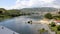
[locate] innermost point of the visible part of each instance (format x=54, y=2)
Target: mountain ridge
x=42, y=9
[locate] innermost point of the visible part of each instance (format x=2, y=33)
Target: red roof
x=57, y=21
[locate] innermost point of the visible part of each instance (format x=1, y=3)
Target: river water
x=20, y=25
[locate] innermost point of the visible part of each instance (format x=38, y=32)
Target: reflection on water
x=20, y=25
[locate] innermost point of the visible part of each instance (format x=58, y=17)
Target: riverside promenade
x=44, y=24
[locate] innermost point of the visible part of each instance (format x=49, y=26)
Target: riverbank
x=44, y=21
x=7, y=14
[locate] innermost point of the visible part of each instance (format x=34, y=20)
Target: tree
x=1, y=12
x=59, y=12
x=48, y=16
x=58, y=28
x=53, y=24
x=42, y=31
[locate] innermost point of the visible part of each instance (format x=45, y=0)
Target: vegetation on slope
x=51, y=16
x=5, y=14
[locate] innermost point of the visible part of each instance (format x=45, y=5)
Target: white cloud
x=47, y=1
x=34, y=3
x=56, y=6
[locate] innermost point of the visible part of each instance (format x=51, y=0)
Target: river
x=20, y=25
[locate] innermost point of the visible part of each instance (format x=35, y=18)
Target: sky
x=19, y=4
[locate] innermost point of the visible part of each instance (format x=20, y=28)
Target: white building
x=4, y=30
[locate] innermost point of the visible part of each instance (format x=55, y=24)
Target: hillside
x=42, y=9
x=5, y=14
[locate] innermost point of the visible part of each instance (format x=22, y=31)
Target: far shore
x=43, y=21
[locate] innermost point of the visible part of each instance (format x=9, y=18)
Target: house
x=4, y=30
x=57, y=22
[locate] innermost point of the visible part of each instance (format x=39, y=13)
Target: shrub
x=48, y=16
x=53, y=24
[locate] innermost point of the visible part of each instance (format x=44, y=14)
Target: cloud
x=35, y=3
x=31, y=3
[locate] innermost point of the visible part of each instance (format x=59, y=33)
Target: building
x=4, y=30
x=57, y=22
